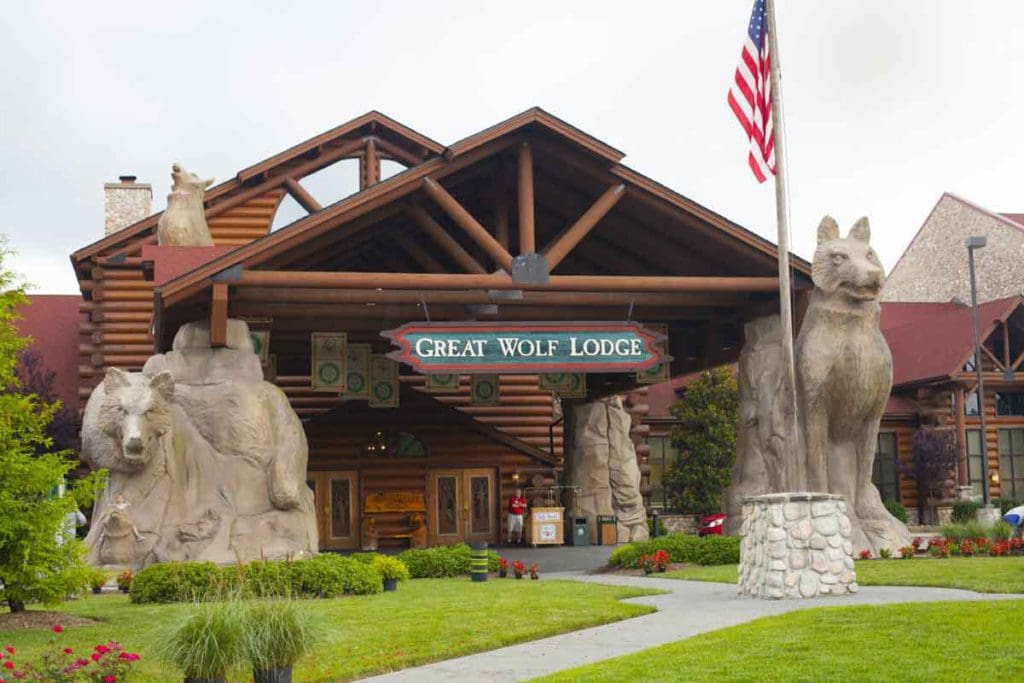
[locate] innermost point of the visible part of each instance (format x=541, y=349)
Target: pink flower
x=68, y=651
x=102, y=649
x=57, y=628
x=109, y=679
x=8, y=664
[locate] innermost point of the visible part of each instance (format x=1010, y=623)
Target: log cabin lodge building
x=530, y=220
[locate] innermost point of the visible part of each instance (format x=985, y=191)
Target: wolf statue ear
x=115, y=378
x=828, y=230
x=163, y=384
x=861, y=230
x=208, y=182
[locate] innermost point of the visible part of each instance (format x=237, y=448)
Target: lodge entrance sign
x=472, y=347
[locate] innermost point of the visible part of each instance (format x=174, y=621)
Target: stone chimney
x=125, y=202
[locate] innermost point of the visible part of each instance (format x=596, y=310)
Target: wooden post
x=448, y=243
x=369, y=165
x=501, y=203
x=527, y=234
x=1006, y=344
x=466, y=221
x=219, y=315
x=565, y=242
x=962, y=473
x=301, y=195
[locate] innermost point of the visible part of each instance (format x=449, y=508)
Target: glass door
x=336, y=496
x=481, y=520
x=446, y=507
x=462, y=506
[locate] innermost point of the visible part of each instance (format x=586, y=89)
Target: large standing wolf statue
x=843, y=374
x=207, y=461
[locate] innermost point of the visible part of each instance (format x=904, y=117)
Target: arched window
x=387, y=444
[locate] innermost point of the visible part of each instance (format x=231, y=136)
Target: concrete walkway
x=690, y=608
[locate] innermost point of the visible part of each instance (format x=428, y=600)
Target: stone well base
x=796, y=545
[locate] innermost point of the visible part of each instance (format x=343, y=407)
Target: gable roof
x=456, y=157
x=415, y=405
x=932, y=341
x=372, y=122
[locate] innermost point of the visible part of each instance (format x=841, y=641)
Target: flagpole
x=795, y=470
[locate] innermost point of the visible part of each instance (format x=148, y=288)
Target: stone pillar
x=796, y=545
x=125, y=202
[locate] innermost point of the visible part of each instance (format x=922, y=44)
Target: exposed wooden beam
x=219, y=315
x=576, y=283
x=1006, y=345
x=369, y=165
x=527, y=228
x=466, y=221
x=501, y=189
x=998, y=363
x=571, y=236
x=301, y=195
x=424, y=258
x=448, y=243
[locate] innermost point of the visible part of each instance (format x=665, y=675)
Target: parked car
x=712, y=525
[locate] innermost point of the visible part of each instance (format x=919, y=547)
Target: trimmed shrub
x=329, y=576
x=390, y=568
x=897, y=510
x=177, y=582
x=443, y=561
x=680, y=548
x=964, y=511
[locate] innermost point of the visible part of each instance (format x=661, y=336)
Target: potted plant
x=124, y=580
x=535, y=572
x=647, y=563
x=661, y=561
x=276, y=634
x=391, y=569
x=518, y=568
x=208, y=644
x=502, y=567
x=98, y=579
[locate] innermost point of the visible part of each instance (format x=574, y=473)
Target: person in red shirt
x=516, y=511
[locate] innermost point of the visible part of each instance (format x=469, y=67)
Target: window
x=971, y=404
x=975, y=462
x=1011, y=463
x=885, y=474
x=1010, y=403
x=660, y=459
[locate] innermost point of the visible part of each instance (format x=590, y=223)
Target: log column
x=527, y=233
x=962, y=473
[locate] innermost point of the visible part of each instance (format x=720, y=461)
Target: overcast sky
x=888, y=104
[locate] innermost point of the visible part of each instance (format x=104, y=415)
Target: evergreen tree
x=39, y=562
x=705, y=436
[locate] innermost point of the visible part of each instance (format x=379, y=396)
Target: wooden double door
x=336, y=500
x=463, y=506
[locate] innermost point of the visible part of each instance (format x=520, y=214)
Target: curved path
x=689, y=608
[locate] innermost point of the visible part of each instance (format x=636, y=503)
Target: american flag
x=750, y=96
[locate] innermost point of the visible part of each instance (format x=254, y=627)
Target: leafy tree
x=933, y=458
x=37, y=561
x=705, y=436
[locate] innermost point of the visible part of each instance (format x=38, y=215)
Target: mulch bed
x=672, y=566
x=18, y=621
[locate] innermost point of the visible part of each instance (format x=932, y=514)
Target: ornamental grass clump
x=208, y=643
x=275, y=635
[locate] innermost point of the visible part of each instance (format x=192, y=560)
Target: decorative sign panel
x=440, y=384
x=383, y=382
x=577, y=386
x=511, y=347
x=261, y=345
x=357, y=371
x=327, y=370
x=484, y=390
x=660, y=372
x=554, y=381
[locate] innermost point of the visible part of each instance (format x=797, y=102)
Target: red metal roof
x=52, y=322
x=933, y=340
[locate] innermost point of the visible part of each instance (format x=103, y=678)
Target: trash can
x=478, y=562
x=578, y=531
x=607, y=530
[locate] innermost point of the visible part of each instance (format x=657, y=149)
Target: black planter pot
x=204, y=680
x=97, y=591
x=283, y=675
x=390, y=584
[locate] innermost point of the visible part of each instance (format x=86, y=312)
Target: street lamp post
x=972, y=244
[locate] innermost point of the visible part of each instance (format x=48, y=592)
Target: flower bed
x=680, y=548
x=107, y=663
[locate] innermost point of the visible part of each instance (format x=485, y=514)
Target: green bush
x=709, y=550
x=897, y=510
x=329, y=576
x=444, y=561
x=964, y=511
x=1005, y=504
x=390, y=568
x=177, y=582
x=365, y=558
x=259, y=579
x=959, y=532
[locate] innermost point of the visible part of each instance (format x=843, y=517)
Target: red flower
x=57, y=628
x=96, y=656
x=109, y=679
x=102, y=649
x=81, y=662
x=68, y=651
x=8, y=664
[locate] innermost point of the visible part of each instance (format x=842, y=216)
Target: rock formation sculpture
x=183, y=222
x=604, y=467
x=844, y=375
x=211, y=458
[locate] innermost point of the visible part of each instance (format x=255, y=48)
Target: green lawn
x=918, y=642
x=425, y=620
x=982, y=574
